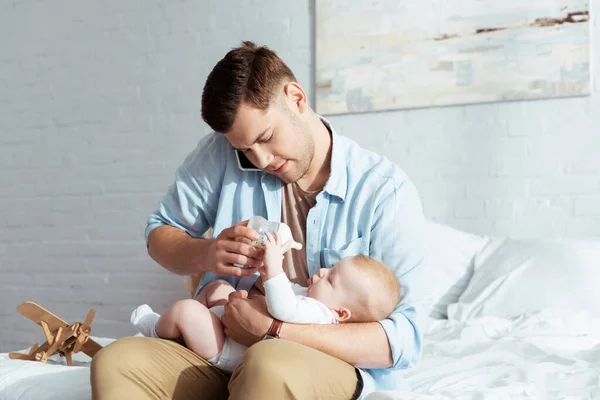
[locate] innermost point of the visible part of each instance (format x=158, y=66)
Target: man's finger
x=233, y=258
x=245, y=249
x=224, y=321
x=238, y=294
x=240, y=231
x=236, y=271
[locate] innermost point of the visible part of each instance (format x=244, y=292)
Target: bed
x=508, y=319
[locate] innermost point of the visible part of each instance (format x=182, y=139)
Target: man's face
x=276, y=140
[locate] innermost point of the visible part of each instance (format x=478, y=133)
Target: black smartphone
x=244, y=163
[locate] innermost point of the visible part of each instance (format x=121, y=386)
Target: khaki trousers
x=141, y=368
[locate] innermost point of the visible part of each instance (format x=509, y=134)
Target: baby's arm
x=286, y=305
x=287, y=301
x=273, y=255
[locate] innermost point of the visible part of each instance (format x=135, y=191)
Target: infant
x=356, y=289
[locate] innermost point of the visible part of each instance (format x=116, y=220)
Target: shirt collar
x=337, y=183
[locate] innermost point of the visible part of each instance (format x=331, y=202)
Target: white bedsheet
x=548, y=354
x=29, y=380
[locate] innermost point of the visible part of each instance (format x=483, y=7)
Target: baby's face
x=335, y=286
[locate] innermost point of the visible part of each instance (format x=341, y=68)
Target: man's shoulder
x=364, y=163
x=212, y=142
x=213, y=149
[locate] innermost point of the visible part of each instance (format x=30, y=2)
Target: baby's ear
x=342, y=314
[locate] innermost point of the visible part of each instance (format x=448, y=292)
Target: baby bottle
x=261, y=225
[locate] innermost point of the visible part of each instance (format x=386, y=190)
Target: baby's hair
x=386, y=293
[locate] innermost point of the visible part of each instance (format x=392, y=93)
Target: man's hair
x=382, y=289
x=247, y=74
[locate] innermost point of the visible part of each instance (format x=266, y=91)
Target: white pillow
x=450, y=255
x=513, y=277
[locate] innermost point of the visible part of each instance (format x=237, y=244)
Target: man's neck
x=320, y=168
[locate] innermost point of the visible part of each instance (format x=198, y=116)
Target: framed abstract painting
x=389, y=54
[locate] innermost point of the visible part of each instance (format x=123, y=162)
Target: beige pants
x=147, y=368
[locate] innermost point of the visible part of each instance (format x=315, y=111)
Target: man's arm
x=178, y=252
x=397, y=239
x=174, y=231
x=247, y=320
x=345, y=341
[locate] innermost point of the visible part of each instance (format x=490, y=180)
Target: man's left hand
x=246, y=319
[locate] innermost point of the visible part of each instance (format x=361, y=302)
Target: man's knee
x=115, y=358
x=262, y=362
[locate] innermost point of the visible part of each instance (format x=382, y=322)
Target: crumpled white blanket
x=549, y=354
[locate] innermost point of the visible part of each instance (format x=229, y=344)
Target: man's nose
x=263, y=159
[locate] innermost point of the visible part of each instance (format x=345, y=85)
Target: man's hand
x=246, y=319
x=229, y=248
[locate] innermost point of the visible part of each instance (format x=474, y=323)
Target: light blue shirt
x=367, y=206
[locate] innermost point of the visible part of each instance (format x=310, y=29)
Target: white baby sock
x=144, y=319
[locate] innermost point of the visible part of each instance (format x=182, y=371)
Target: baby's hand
x=273, y=255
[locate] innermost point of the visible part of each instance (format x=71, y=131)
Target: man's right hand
x=228, y=249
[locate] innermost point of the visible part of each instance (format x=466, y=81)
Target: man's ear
x=295, y=93
x=342, y=314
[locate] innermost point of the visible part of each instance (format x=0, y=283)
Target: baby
x=356, y=289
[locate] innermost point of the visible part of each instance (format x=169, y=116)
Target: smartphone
x=244, y=163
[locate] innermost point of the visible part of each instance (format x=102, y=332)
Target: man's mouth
x=280, y=168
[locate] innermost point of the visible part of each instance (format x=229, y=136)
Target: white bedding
x=548, y=354
x=25, y=380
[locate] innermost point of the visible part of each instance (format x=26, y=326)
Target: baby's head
x=358, y=289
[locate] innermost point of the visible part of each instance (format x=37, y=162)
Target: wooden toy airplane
x=62, y=338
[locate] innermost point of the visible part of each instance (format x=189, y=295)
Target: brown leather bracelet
x=274, y=330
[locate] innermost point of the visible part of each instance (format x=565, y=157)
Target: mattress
x=547, y=354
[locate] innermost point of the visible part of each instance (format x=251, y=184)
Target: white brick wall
x=100, y=103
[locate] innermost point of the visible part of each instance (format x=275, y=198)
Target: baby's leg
x=215, y=293
x=200, y=328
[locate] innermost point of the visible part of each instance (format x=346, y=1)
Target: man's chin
x=288, y=177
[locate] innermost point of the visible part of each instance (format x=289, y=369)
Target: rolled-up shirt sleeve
x=190, y=202
x=398, y=240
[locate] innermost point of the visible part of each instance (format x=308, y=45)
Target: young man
x=338, y=199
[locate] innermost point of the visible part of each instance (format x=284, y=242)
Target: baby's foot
x=144, y=319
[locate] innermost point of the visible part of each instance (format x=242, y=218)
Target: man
x=338, y=199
